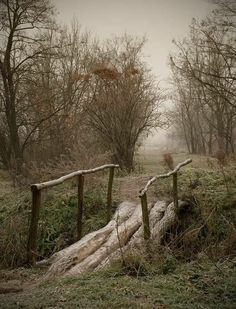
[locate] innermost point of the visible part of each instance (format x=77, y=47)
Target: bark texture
x=125, y=231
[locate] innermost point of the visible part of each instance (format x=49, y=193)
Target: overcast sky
x=160, y=20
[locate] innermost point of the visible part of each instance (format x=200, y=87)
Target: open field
x=151, y=159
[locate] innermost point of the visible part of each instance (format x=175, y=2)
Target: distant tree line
x=204, y=81
x=62, y=91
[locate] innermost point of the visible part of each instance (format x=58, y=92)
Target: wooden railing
x=143, y=195
x=36, y=203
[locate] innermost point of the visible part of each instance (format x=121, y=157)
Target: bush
x=209, y=224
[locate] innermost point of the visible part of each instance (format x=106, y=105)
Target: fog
x=160, y=21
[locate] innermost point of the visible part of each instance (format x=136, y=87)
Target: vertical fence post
x=145, y=215
x=175, y=190
x=109, y=193
x=80, y=205
x=33, y=230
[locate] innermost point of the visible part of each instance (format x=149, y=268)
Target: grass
x=194, y=285
x=57, y=223
x=197, y=272
x=151, y=160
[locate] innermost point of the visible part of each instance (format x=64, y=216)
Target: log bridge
x=108, y=233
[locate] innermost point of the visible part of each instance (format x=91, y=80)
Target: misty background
x=160, y=21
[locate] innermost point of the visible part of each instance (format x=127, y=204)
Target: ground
x=199, y=284
x=207, y=280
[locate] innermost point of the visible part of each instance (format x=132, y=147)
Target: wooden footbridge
x=36, y=190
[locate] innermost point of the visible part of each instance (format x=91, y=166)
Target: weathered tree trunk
x=98, y=249
x=9, y=92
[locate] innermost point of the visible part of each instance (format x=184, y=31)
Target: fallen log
x=100, y=248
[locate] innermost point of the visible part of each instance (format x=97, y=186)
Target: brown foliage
x=107, y=73
x=221, y=157
x=168, y=160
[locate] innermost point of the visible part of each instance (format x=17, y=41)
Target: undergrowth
x=209, y=225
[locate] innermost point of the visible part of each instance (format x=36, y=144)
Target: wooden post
x=80, y=205
x=175, y=190
x=109, y=193
x=145, y=215
x=32, y=240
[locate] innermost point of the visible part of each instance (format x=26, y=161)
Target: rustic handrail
x=52, y=183
x=153, y=179
x=36, y=203
x=143, y=195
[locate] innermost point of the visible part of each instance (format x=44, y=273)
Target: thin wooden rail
x=36, y=203
x=153, y=179
x=60, y=180
x=143, y=195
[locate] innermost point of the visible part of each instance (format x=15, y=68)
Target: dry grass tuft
x=168, y=160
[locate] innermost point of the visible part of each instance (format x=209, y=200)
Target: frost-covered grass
x=199, y=284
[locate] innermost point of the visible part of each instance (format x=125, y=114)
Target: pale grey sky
x=160, y=20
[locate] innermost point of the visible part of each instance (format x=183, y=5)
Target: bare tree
x=54, y=81
x=124, y=101
x=58, y=85
x=18, y=21
x=206, y=64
